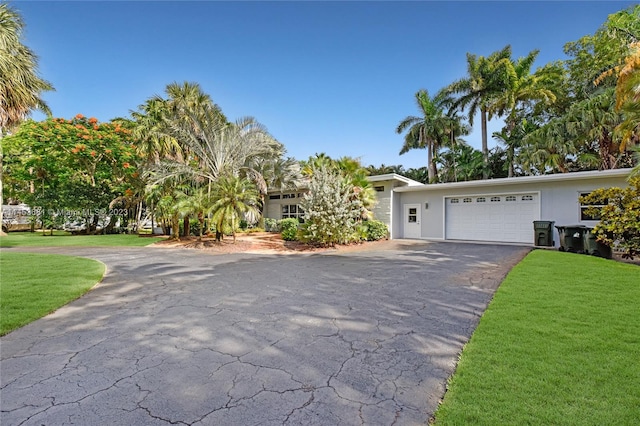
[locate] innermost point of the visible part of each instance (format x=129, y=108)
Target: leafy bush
x=619, y=217
x=271, y=225
x=252, y=230
x=375, y=230
x=243, y=225
x=332, y=212
x=289, y=229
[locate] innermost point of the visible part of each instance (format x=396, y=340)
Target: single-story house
x=493, y=210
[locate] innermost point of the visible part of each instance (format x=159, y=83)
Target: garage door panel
x=504, y=218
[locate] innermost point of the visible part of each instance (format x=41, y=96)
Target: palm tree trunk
x=186, y=226
x=430, y=163
x=510, y=159
x=485, y=146
x=175, y=227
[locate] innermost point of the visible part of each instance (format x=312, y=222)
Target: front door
x=412, y=221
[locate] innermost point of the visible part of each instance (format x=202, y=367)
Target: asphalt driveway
x=182, y=337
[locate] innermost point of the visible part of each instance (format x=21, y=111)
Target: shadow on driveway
x=181, y=337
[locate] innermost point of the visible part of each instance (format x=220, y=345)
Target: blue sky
x=333, y=77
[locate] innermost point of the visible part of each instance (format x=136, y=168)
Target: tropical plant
x=432, y=129
x=20, y=85
x=332, y=214
x=460, y=163
x=289, y=228
x=271, y=225
x=375, y=230
x=420, y=174
x=384, y=169
x=235, y=198
x=486, y=79
x=522, y=90
x=619, y=216
x=198, y=202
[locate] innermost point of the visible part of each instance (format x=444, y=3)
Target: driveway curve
x=174, y=336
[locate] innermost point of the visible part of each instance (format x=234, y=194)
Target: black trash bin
x=543, y=233
x=594, y=247
x=571, y=238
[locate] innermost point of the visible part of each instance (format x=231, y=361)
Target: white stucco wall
x=558, y=201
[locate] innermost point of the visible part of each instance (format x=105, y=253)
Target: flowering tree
x=76, y=167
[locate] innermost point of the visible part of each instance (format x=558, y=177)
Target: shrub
x=375, y=230
x=332, y=212
x=271, y=225
x=289, y=229
x=243, y=225
x=619, y=217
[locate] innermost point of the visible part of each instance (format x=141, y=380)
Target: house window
x=495, y=199
x=527, y=198
x=466, y=200
x=454, y=201
x=293, y=211
x=413, y=215
x=585, y=206
x=274, y=197
x=481, y=200
x=288, y=195
x=510, y=198
x=379, y=188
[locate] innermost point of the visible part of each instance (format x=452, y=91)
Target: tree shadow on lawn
x=326, y=338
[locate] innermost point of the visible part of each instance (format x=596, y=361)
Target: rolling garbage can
x=543, y=233
x=571, y=238
x=593, y=247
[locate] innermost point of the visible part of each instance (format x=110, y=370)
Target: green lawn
x=559, y=344
x=64, y=239
x=34, y=285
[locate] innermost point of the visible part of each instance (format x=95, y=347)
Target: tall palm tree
x=234, y=197
x=20, y=85
x=430, y=130
x=486, y=78
x=522, y=88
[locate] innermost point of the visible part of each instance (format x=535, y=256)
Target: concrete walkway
x=182, y=337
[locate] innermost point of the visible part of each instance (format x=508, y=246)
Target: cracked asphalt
x=188, y=338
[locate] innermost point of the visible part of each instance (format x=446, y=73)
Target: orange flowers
x=93, y=153
x=79, y=116
x=93, y=120
x=107, y=151
x=96, y=127
x=126, y=165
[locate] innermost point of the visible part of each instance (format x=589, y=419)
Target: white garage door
x=504, y=218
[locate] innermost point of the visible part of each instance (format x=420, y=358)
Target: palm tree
x=521, y=88
x=430, y=130
x=234, y=197
x=20, y=85
x=197, y=202
x=384, y=169
x=476, y=92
